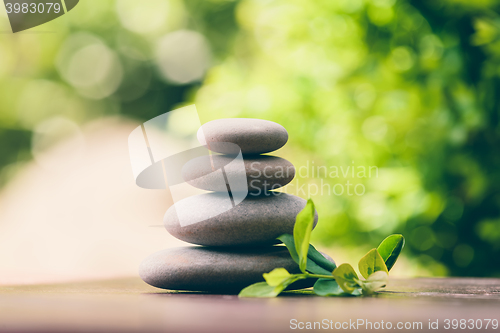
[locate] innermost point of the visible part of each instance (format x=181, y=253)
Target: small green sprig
x=331, y=280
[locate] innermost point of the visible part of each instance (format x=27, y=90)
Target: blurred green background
x=411, y=87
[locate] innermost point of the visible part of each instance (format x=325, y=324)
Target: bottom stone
x=215, y=269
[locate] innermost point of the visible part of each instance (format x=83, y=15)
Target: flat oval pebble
x=253, y=136
x=257, y=220
x=215, y=269
x=263, y=173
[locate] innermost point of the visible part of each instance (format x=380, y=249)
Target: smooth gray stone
x=215, y=269
x=257, y=220
x=263, y=173
x=253, y=136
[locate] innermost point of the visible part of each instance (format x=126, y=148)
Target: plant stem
x=319, y=276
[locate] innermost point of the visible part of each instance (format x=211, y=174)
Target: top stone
x=252, y=136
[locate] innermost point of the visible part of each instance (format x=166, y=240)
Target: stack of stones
x=239, y=245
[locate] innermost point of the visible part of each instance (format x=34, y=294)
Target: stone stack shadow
x=237, y=245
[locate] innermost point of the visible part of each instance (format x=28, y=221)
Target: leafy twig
x=331, y=280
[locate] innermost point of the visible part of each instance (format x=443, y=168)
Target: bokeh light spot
x=463, y=255
x=374, y=128
x=422, y=238
x=90, y=66
x=402, y=58
x=142, y=16
x=183, y=56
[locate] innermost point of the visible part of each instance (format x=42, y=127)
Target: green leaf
x=291, y=279
x=346, y=278
x=317, y=263
x=372, y=262
x=327, y=287
x=374, y=282
x=263, y=289
x=390, y=248
x=380, y=278
x=302, y=233
x=260, y=289
x=276, y=276
x=320, y=260
x=287, y=239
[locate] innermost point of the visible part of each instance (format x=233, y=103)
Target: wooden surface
x=130, y=305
